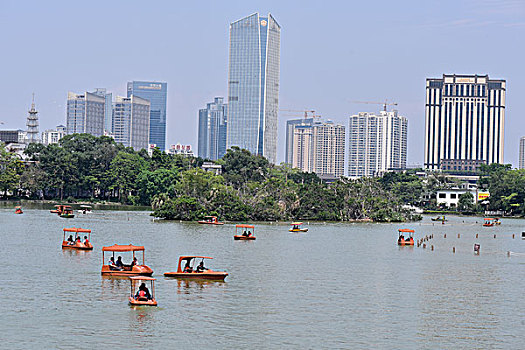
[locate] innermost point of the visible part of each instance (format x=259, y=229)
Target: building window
x=442, y=195
x=452, y=196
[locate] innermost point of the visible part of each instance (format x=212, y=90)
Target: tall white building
x=131, y=118
x=53, y=136
x=465, y=118
x=318, y=147
x=85, y=114
x=522, y=153
x=377, y=143
x=253, y=85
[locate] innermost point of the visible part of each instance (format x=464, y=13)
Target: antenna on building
x=385, y=103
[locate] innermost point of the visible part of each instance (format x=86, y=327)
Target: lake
x=340, y=285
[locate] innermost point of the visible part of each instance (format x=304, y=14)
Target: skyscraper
x=376, y=143
x=85, y=114
x=156, y=94
x=32, y=124
x=131, y=118
x=465, y=118
x=212, y=129
x=253, y=85
x=318, y=147
x=290, y=128
x=522, y=153
x=108, y=108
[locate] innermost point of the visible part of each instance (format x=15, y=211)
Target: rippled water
x=337, y=286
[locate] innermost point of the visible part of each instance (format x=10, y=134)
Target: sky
x=333, y=53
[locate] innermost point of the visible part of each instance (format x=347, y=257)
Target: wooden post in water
x=453, y=249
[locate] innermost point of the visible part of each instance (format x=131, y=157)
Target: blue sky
x=332, y=53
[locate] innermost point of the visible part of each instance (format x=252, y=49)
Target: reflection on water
x=339, y=286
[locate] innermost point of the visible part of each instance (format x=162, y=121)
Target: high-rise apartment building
x=465, y=118
x=253, y=85
x=85, y=114
x=53, y=136
x=377, y=143
x=131, y=118
x=522, y=153
x=156, y=93
x=318, y=147
x=290, y=128
x=212, y=129
x=108, y=108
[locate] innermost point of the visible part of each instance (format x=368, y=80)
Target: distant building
x=131, y=117
x=253, y=85
x=12, y=136
x=184, y=150
x=212, y=167
x=377, y=143
x=522, y=153
x=157, y=94
x=290, y=128
x=465, y=118
x=32, y=124
x=85, y=114
x=319, y=147
x=53, y=136
x=108, y=108
x=212, y=130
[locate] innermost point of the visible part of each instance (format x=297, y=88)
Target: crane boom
x=384, y=103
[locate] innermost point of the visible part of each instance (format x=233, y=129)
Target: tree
x=466, y=202
x=10, y=167
x=124, y=171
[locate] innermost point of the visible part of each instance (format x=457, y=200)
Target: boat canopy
x=489, y=219
x=209, y=216
x=406, y=230
x=296, y=223
x=86, y=206
x=141, y=278
x=75, y=229
x=194, y=257
x=122, y=248
x=244, y=226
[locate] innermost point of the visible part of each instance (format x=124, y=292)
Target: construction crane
x=385, y=103
x=312, y=112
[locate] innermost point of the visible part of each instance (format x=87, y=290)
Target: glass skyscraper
x=253, y=85
x=212, y=129
x=108, y=109
x=156, y=93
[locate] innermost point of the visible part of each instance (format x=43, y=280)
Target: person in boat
x=134, y=262
x=78, y=240
x=143, y=292
x=70, y=240
x=245, y=233
x=201, y=267
x=187, y=267
x=249, y=233
x=86, y=241
x=112, y=265
x=119, y=263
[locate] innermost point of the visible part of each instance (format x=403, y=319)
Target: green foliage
x=10, y=169
x=466, y=202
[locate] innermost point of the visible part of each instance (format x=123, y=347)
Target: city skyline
x=317, y=72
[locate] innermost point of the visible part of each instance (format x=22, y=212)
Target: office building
x=131, y=118
x=318, y=147
x=85, y=114
x=253, y=85
x=53, y=136
x=522, y=153
x=377, y=143
x=156, y=93
x=212, y=129
x=465, y=118
x=108, y=108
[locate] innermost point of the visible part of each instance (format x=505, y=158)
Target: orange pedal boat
x=125, y=270
x=142, y=297
x=211, y=220
x=190, y=272
x=18, y=210
x=77, y=243
x=246, y=235
x=402, y=240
